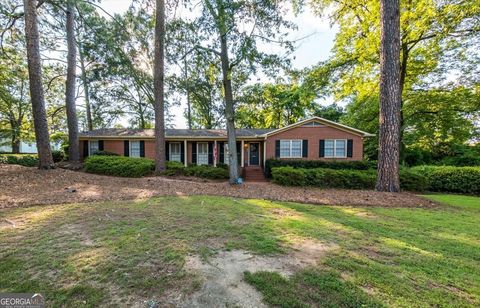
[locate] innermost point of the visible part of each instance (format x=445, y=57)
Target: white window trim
x=198, y=152
x=290, y=150
x=170, y=150
x=335, y=148
x=130, y=148
x=90, y=154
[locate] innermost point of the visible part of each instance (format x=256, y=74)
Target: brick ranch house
x=312, y=139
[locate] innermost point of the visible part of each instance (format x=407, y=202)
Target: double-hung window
x=202, y=153
x=175, y=151
x=290, y=148
x=134, y=148
x=336, y=148
x=93, y=147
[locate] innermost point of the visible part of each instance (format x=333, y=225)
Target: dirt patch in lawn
x=23, y=186
x=222, y=275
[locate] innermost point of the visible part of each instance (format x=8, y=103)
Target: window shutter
x=277, y=148
x=322, y=148
x=126, y=148
x=210, y=153
x=100, y=145
x=142, y=148
x=182, y=152
x=305, y=148
x=350, y=148
x=85, y=148
x=167, y=150
x=221, y=146
x=194, y=152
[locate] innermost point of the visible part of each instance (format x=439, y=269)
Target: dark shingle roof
x=128, y=132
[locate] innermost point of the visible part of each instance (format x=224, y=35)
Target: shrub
x=105, y=153
x=451, y=179
x=28, y=160
x=205, y=171
x=311, y=164
x=119, y=165
x=174, y=168
x=288, y=176
x=412, y=181
x=348, y=179
x=58, y=155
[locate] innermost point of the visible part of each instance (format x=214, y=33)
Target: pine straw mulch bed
x=24, y=186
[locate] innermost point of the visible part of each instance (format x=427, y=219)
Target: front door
x=254, y=153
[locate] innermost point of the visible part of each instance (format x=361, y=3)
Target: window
x=202, y=153
x=93, y=147
x=290, y=148
x=134, y=148
x=336, y=148
x=175, y=151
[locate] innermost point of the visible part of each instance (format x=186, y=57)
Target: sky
x=315, y=34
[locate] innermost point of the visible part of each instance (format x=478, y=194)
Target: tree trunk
x=73, y=143
x=159, y=78
x=86, y=90
x=390, y=98
x=229, y=110
x=45, y=160
x=15, y=143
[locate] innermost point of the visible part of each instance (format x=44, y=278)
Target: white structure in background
x=26, y=147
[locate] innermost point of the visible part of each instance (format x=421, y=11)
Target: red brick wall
x=314, y=135
x=114, y=146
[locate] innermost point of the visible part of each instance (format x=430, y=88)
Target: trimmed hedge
x=451, y=179
x=104, y=153
x=349, y=179
x=201, y=171
x=119, y=165
x=28, y=160
x=312, y=164
x=58, y=156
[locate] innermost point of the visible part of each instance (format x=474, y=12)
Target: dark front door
x=254, y=153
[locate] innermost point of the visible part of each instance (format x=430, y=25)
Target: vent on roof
x=313, y=123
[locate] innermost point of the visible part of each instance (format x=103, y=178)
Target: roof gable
x=318, y=121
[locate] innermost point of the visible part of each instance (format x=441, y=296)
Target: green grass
x=121, y=253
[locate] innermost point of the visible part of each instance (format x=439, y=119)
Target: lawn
x=123, y=253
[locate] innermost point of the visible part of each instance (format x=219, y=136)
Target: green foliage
x=451, y=179
x=27, y=160
x=308, y=164
x=174, y=168
x=331, y=112
x=119, y=166
x=342, y=178
x=104, y=153
x=58, y=155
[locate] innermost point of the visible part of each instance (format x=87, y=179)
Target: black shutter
x=322, y=148
x=126, y=148
x=305, y=148
x=277, y=148
x=100, y=145
x=182, y=152
x=221, y=146
x=350, y=148
x=239, y=153
x=194, y=152
x=85, y=148
x=210, y=153
x=167, y=150
x=142, y=148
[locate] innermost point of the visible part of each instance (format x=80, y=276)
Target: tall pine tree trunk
x=390, y=98
x=45, y=160
x=73, y=143
x=159, y=79
x=229, y=110
x=86, y=90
